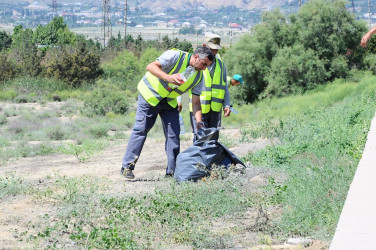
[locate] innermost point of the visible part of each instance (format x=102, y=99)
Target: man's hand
x=180, y=106
x=226, y=111
x=155, y=68
x=174, y=79
x=200, y=125
x=364, y=41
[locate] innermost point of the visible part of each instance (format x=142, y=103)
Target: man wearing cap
x=236, y=80
x=158, y=90
x=215, y=96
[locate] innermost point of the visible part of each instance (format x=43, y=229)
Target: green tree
x=331, y=31
x=55, y=32
x=293, y=71
x=322, y=28
x=5, y=40
x=7, y=68
x=24, y=53
x=73, y=65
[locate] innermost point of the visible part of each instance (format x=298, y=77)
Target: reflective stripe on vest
x=213, y=95
x=154, y=89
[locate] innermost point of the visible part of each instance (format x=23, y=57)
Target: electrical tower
x=54, y=8
x=125, y=24
x=106, y=26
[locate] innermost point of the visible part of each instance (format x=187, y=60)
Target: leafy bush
x=73, y=65
x=294, y=70
x=370, y=62
x=3, y=119
x=56, y=133
x=126, y=69
x=105, y=98
x=7, y=68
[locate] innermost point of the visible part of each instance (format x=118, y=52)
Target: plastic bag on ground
x=196, y=161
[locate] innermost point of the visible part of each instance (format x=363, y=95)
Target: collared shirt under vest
x=212, y=97
x=154, y=89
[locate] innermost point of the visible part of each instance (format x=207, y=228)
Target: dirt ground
x=16, y=213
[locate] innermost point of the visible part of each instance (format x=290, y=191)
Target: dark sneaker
x=170, y=175
x=127, y=173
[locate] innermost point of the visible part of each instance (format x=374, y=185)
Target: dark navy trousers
x=146, y=116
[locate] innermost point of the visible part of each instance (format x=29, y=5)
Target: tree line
x=282, y=55
x=54, y=51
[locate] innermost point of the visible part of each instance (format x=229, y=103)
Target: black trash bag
x=196, y=161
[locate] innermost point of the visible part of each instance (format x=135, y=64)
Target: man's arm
x=196, y=106
x=155, y=68
x=226, y=104
x=367, y=36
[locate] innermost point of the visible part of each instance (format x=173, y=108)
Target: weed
x=3, y=119
x=56, y=133
x=84, y=151
x=11, y=185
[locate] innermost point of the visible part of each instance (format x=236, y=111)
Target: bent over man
x=158, y=91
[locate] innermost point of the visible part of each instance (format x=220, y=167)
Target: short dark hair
x=204, y=52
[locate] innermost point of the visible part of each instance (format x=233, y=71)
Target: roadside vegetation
x=314, y=100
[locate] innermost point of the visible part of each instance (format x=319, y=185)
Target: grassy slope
x=322, y=136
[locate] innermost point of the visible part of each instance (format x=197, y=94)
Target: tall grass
x=322, y=138
x=278, y=108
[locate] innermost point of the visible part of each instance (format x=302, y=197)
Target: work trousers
x=211, y=119
x=146, y=116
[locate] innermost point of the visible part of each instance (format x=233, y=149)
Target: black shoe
x=127, y=173
x=170, y=175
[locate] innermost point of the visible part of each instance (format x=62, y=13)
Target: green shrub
x=3, y=119
x=125, y=69
x=7, y=68
x=99, y=131
x=56, y=133
x=7, y=95
x=294, y=70
x=10, y=184
x=370, y=62
x=105, y=98
x=73, y=65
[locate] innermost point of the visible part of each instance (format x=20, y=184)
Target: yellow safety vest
x=153, y=89
x=213, y=95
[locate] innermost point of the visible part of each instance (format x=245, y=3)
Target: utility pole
x=125, y=23
x=300, y=3
x=54, y=9
x=353, y=6
x=106, y=27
